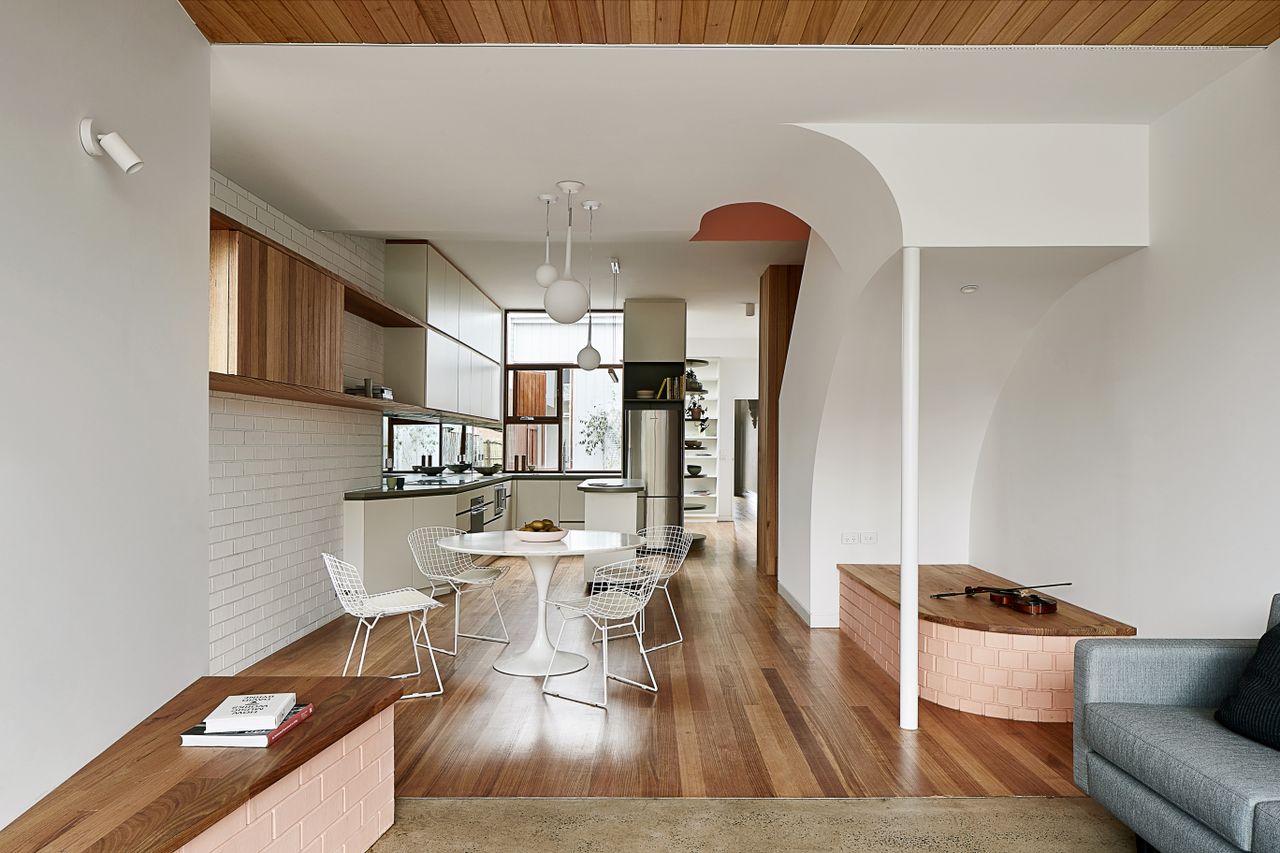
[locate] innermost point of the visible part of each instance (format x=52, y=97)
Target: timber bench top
x=979, y=613
x=146, y=792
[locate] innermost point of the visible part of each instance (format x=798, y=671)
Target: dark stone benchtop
x=454, y=484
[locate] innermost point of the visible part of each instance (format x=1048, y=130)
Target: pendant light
x=566, y=300
x=589, y=356
x=546, y=274
x=615, y=267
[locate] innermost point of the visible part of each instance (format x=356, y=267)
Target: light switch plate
x=868, y=537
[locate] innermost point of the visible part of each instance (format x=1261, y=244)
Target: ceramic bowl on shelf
x=646, y=395
x=692, y=444
x=540, y=535
x=694, y=470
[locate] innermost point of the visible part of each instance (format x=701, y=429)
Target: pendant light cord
x=591, y=256
x=568, y=242
x=547, y=253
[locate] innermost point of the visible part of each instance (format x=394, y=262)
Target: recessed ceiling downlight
x=969, y=288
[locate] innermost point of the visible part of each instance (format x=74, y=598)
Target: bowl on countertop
x=488, y=470
x=460, y=467
x=429, y=470
x=540, y=535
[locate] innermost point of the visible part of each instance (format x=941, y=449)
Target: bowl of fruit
x=541, y=530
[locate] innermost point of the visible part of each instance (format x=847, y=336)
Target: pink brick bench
x=982, y=659
x=328, y=785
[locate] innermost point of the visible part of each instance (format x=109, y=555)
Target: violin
x=1019, y=598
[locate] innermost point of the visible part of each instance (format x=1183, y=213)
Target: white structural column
x=909, y=592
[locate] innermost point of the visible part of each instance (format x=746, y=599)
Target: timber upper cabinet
x=452, y=365
x=272, y=316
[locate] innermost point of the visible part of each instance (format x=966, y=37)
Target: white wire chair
x=624, y=588
x=669, y=543
x=459, y=573
x=368, y=609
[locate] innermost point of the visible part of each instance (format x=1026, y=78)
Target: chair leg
x=652, y=686
x=417, y=661
x=368, y=629
x=546, y=679
x=503, y=639
x=674, y=618
x=431, y=653
x=351, y=651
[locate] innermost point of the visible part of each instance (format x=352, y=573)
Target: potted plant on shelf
x=691, y=382
x=695, y=411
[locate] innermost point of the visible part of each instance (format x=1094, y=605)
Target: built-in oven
x=471, y=519
x=498, y=509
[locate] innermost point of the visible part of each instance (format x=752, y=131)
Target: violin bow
x=1011, y=590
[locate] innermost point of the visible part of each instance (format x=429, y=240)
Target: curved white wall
x=1136, y=446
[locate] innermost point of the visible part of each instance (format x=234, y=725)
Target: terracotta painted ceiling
x=746, y=22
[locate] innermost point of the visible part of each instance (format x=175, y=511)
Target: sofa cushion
x=1253, y=710
x=1182, y=754
x=1266, y=828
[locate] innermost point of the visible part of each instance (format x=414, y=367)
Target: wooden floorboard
x=753, y=704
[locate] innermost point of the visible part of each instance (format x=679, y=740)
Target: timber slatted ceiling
x=758, y=22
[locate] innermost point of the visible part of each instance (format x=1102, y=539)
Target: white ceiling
x=454, y=143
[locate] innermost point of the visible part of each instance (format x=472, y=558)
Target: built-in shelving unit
x=708, y=373
x=232, y=384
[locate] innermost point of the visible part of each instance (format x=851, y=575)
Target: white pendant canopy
x=566, y=300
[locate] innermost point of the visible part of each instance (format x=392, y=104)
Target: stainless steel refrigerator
x=655, y=454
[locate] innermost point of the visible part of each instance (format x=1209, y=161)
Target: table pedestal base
x=533, y=661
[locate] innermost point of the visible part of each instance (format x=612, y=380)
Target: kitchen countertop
x=611, y=485
x=454, y=484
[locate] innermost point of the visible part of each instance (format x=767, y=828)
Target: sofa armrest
x=1193, y=673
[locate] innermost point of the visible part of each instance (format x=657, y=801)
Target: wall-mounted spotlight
x=96, y=144
x=750, y=308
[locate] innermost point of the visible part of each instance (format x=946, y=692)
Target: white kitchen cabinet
x=653, y=330
x=536, y=499
x=407, y=268
x=470, y=322
x=573, y=503
x=467, y=390
x=404, y=353
x=442, y=372
x=450, y=303
x=375, y=541
x=489, y=380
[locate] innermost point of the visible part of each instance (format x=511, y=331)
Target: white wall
x=278, y=470
x=1010, y=184
x=1134, y=449
x=103, y=333
x=969, y=344
x=738, y=379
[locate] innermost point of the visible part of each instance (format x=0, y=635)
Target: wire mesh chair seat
x=368, y=609
x=460, y=574
x=668, y=544
x=625, y=588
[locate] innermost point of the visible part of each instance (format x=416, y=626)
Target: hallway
x=753, y=704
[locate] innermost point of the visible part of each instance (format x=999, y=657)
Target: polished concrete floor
x=618, y=825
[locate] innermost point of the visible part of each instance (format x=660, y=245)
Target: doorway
x=746, y=458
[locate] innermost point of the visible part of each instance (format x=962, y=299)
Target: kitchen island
x=975, y=656
x=377, y=522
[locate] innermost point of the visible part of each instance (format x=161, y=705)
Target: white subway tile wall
x=277, y=469
x=277, y=472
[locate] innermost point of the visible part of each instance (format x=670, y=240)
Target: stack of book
x=257, y=720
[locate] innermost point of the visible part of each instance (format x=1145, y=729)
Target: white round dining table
x=542, y=558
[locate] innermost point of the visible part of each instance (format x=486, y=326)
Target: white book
x=253, y=712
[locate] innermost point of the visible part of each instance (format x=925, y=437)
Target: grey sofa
x=1147, y=746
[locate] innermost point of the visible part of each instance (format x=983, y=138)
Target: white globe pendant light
x=589, y=356
x=546, y=273
x=566, y=300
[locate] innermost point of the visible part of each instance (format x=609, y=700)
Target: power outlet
x=868, y=537
x=850, y=538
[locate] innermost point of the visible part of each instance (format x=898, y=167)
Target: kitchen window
x=408, y=442
x=559, y=417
